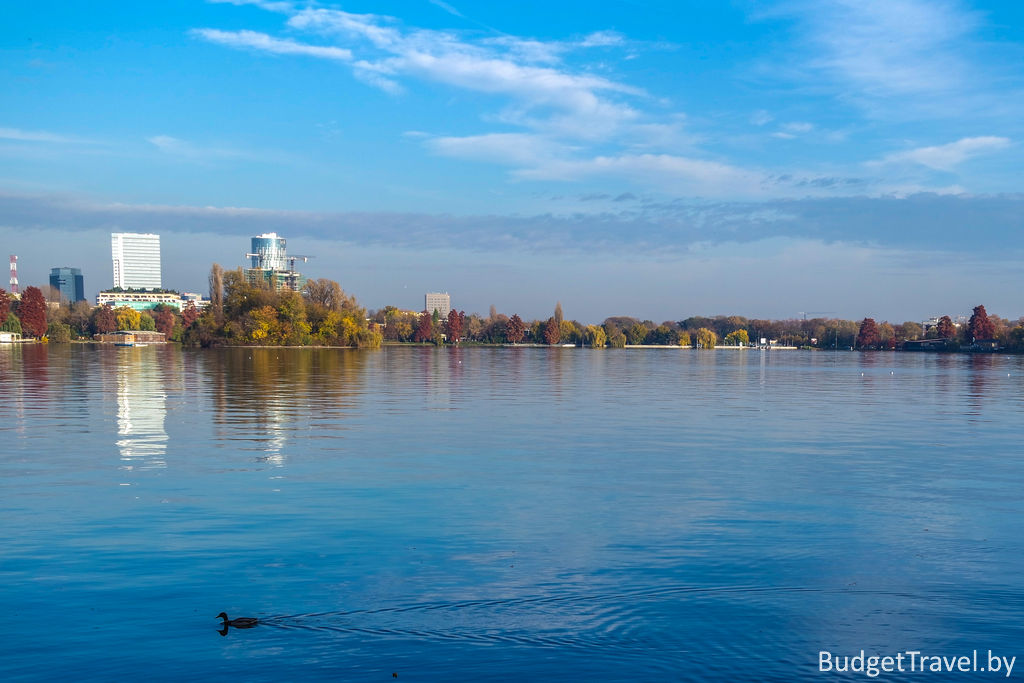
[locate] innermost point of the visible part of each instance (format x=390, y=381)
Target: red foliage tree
x=104, y=320
x=868, y=337
x=454, y=325
x=165, y=322
x=945, y=328
x=189, y=314
x=515, y=330
x=980, y=327
x=32, y=312
x=5, y=304
x=425, y=330
x=552, y=332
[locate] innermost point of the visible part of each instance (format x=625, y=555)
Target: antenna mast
x=14, y=274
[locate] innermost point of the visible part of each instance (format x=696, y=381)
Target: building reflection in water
x=141, y=407
x=262, y=396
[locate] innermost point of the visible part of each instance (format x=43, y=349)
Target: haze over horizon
x=655, y=159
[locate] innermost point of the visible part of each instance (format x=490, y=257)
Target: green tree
x=58, y=333
x=596, y=337
x=737, y=338
x=11, y=324
x=617, y=340
x=706, y=339
x=146, y=322
x=636, y=334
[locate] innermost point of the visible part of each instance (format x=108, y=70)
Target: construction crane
x=295, y=257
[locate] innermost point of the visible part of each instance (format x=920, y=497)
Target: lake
x=504, y=513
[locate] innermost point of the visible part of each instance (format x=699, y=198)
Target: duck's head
x=223, y=616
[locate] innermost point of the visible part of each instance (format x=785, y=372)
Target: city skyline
x=659, y=160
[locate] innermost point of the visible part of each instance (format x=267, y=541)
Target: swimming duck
x=240, y=622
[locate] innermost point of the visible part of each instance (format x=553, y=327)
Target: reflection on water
x=503, y=514
x=141, y=407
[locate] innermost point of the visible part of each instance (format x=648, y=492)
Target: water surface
x=499, y=513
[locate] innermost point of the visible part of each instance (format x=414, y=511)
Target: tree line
x=695, y=331
x=247, y=313
x=240, y=313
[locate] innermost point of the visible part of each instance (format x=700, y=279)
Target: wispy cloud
x=266, y=43
x=21, y=135
x=889, y=47
x=947, y=157
x=446, y=7
x=184, y=149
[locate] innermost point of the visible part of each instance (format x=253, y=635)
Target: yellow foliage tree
x=128, y=318
x=706, y=339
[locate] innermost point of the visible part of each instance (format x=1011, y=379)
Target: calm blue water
x=497, y=514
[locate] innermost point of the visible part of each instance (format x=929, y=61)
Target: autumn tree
x=596, y=337
x=165, y=322
x=5, y=304
x=515, y=330
x=868, y=336
x=706, y=339
x=189, y=314
x=127, y=318
x=945, y=328
x=979, y=326
x=551, y=331
x=32, y=312
x=737, y=338
x=425, y=328
x=454, y=325
x=558, y=313
x=103, y=320
x=217, y=293
x=684, y=339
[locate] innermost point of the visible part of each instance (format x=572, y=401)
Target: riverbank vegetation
x=244, y=313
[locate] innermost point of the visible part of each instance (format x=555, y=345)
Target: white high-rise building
x=136, y=260
x=437, y=301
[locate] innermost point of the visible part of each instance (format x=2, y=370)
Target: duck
x=240, y=622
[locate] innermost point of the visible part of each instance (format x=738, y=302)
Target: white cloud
x=542, y=93
x=948, y=156
x=761, y=118
x=517, y=149
x=265, y=43
x=603, y=39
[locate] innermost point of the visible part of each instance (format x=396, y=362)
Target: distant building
x=269, y=263
x=69, y=282
x=136, y=258
x=141, y=301
x=437, y=301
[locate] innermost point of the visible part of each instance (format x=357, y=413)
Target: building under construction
x=270, y=264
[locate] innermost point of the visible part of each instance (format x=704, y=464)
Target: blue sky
x=661, y=159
